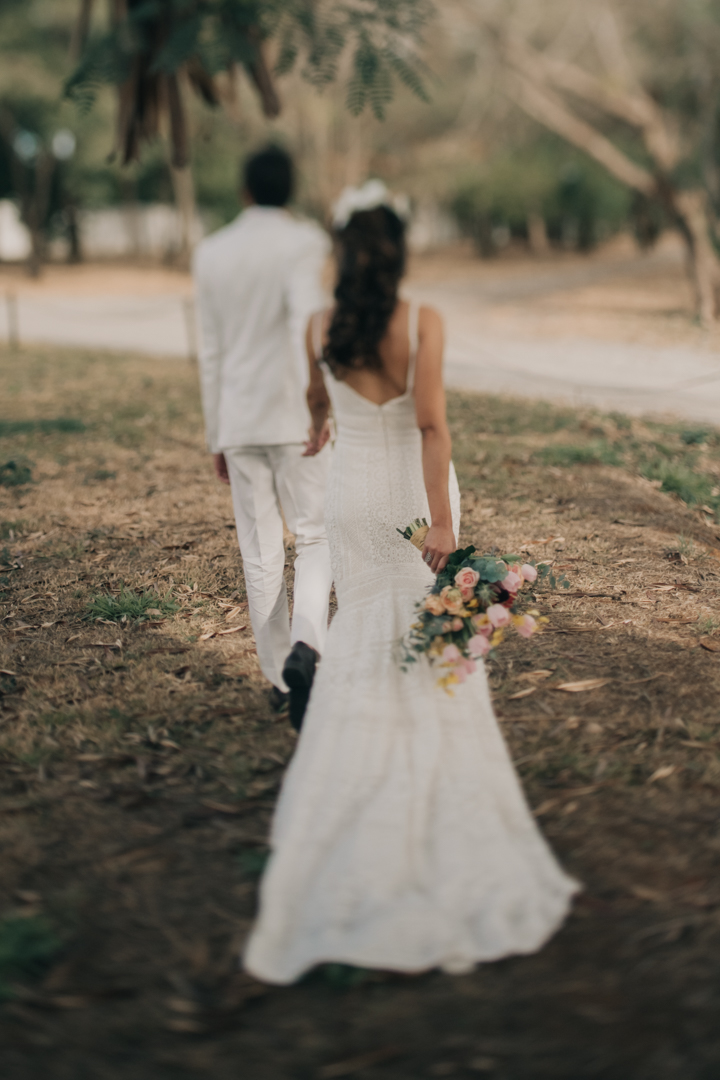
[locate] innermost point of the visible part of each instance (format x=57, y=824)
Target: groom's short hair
x=268, y=176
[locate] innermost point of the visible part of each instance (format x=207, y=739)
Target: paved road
x=610, y=375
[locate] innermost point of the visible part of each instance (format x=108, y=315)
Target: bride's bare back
x=390, y=382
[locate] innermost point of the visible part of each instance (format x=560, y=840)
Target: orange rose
x=453, y=600
x=434, y=604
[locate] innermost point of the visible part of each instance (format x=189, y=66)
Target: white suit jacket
x=257, y=282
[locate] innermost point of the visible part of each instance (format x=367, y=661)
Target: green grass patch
x=492, y=415
x=562, y=455
x=27, y=948
x=253, y=862
x=131, y=606
x=15, y=473
x=9, y=530
x=30, y=427
x=694, y=436
x=682, y=479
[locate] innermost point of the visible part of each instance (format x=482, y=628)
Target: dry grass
x=139, y=758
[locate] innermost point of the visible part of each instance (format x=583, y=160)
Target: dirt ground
x=139, y=761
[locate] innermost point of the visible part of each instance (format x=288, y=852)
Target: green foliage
x=131, y=606
x=15, y=473
x=27, y=947
x=577, y=200
x=546, y=576
x=215, y=34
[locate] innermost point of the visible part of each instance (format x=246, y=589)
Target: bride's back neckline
x=320, y=322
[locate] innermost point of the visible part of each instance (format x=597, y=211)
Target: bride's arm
x=436, y=444
x=317, y=399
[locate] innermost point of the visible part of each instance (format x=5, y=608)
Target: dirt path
x=614, y=330
x=139, y=762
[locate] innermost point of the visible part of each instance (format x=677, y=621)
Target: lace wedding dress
x=402, y=839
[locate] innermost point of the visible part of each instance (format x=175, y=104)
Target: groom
x=257, y=281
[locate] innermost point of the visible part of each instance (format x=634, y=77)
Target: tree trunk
x=37, y=209
x=537, y=233
x=184, y=189
x=692, y=210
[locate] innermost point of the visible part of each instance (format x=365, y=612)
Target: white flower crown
x=369, y=196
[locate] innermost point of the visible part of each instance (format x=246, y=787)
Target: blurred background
x=473, y=163
x=561, y=160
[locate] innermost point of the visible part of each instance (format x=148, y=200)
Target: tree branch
x=260, y=73
x=549, y=110
x=635, y=108
x=81, y=30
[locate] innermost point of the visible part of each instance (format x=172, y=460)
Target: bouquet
x=474, y=600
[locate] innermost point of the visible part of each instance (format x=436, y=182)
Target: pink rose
x=525, y=626
x=481, y=623
x=528, y=572
x=478, y=645
x=453, y=599
x=466, y=580
x=464, y=668
x=512, y=582
x=434, y=604
x=498, y=615
x=451, y=654
x=457, y=623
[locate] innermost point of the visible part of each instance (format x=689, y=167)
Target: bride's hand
x=439, y=545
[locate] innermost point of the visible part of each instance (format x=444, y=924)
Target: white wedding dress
x=402, y=839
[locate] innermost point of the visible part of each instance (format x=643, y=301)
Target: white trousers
x=264, y=480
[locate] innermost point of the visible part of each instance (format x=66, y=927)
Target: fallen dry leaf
x=4, y=671
x=232, y=630
x=531, y=676
x=583, y=684
x=662, y=773
x=522, y=693
x=644, y=892
x=711, y=644
x=208, y=635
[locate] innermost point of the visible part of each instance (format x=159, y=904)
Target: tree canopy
x=147, y=46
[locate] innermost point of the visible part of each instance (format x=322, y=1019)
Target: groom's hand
x=317, y=440
x=221, y=471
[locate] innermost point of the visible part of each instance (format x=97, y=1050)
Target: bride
x=402, y=839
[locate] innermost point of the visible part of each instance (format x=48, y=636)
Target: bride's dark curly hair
x=371, y=263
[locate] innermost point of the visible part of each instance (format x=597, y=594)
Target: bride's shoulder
x=430, y=321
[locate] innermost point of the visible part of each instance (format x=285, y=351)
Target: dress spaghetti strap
x=414, y=337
